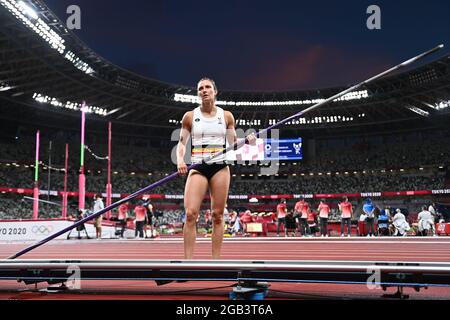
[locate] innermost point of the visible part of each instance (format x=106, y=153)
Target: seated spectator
x=383, y=224
x=312, y=223
x=400, y=224
x=291, y=226
x=236, y=227
x=426, y=222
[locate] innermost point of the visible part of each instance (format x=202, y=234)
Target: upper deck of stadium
x=46, y=72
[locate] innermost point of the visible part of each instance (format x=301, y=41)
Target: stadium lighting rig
x=442, y=105
x=30, y=18
x=357, y=95
x=243, y=122
x=421, y=78
x=69, y=105
x=30, y=12
x=25, y=14
x=4, y=86
x=418, y=111
x=314, y=120
x=83, y=66
x=319, y=120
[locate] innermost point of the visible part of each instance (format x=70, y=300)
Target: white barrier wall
x=33, y=230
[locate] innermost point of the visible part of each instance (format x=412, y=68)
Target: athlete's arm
x=186, y=125
x=231, y=131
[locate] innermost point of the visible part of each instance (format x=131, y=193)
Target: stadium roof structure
x=47, y=70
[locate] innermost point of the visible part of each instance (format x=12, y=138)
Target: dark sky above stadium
x=258, y=45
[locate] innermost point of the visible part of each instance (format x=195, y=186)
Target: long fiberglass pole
x=232, y=147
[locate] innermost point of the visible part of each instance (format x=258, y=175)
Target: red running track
x=418, y=249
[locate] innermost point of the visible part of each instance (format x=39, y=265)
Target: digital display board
x=269, y=149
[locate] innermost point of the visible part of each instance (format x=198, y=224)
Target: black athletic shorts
x=209, y=170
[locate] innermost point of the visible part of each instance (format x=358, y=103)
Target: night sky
x=259, y=45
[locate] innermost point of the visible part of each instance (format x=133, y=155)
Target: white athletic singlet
x=208, y=136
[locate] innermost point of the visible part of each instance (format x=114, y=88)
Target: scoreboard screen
x=269, y=149
x=283, y=149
